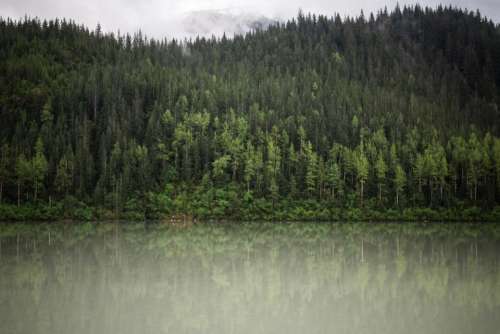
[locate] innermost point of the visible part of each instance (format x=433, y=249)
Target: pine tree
x=496, y=158
x=312, y=169
x=362, y=169
x=399, y=181
x=23, y=174
x=381, y=171
x=4, y=167
x=220, y=165
x=334, y=178
x=63, y=175
x=474, y=160
x=39, y=167
x=250, y=164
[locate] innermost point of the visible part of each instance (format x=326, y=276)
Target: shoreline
x=301, y=212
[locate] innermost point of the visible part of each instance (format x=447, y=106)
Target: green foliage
x=133, y=126
x=399, y=181
x=63, y=179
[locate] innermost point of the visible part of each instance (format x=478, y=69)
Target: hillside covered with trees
x=387, y=116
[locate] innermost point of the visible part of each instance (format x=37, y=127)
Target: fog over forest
x=189, y=18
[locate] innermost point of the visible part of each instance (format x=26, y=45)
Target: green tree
x=362, y=169
x=399, y=181
x=333, y=177
x=23, y=174
x=474, y=154
x=4, y=167
x=250, y=168
x=381, y=172
x=183, y=139
x=496, y=158
x=63, y=180
x=220, y=165
x=273, y=167
x=312, y=169
x=442, y=168
x=458, y=148
x=39, y=167
x=419, y=171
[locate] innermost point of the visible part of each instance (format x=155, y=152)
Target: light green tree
x=496, y=158
x=23, y=174
x=183, y=139
x=333, y=178
x=250, y=164
x=273, y=167
x=39, y=167
x=430, y=170
x=274, y=190
x=220, y=165
x=63, y=178
x=474, y=160
x=381, y=173
x=362, y=169
x=458, y=148
x=442, y=168
x=399, y=181
x=312, y=168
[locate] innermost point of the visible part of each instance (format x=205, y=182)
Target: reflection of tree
x=256, y=278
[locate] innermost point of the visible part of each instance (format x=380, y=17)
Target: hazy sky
x=161, y=18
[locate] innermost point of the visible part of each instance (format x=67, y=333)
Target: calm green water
x=250, y=278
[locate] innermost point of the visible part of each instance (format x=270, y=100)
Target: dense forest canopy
x=396, y=110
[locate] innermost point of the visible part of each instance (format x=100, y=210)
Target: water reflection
x=249, y=278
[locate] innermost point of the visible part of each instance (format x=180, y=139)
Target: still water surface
x=249, y=278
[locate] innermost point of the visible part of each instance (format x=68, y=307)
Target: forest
x=387, y=116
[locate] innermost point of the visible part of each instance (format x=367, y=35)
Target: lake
x=249, y=278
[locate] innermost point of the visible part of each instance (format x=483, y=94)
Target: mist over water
x=249, y=278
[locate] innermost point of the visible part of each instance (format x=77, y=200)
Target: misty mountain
x=217, y=22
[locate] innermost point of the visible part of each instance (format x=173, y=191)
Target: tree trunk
x=430, y=188
x=397, y=197
x=362, y=193
x=18, y=194
x=462, y=177
x=380, y=193
x=95, y=104
x=187, y=161
x=1, y=191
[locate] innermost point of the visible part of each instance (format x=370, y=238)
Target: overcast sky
x=167, y=18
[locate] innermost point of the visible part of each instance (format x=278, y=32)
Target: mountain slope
x=394, y=110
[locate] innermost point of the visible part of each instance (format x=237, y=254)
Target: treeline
x=396, y=110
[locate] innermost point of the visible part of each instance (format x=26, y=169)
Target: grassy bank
x=160, y=207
